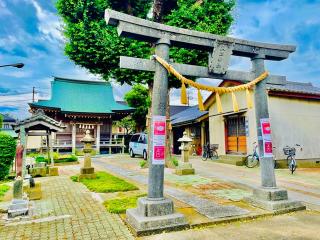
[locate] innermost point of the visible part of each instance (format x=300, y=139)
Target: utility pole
x=33, y=93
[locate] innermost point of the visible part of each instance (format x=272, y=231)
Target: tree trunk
x=162, y=8
x=168, y=162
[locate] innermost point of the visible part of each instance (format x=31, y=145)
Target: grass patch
x=120, y=205
x=106, y=182
x=74, y=178
x=3, y=190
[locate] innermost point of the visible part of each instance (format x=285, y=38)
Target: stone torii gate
x=156, y=212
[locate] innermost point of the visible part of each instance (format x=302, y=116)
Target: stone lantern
x=184, y=167
x=87, y=171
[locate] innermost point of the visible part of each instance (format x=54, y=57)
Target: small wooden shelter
x=38, y=124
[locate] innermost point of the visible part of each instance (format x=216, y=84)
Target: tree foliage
x=138, y=98
x=211, y=16
x=95, y=46
x=7, y=154
x=127, y=123
x=1, y=121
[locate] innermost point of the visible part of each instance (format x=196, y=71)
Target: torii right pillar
x=268, y=196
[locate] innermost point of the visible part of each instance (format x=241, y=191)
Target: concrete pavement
x=303, y=185
x=302, y=225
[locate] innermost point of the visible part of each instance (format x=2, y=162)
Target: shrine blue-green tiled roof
x=79, y=96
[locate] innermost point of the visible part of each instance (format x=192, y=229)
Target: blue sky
x=30, y=32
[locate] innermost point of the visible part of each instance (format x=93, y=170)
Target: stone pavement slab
x=206, y=207
x=66, y=211
x=302, y=225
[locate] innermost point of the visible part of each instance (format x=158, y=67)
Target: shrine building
x=294, y=110
x=82, y=105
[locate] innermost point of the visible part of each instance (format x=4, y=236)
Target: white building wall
x=295, y=121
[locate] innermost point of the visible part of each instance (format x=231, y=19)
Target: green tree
x=95, y=46
x=1, y=121
x=127, y=123
x=7, y=153
x=138, y=98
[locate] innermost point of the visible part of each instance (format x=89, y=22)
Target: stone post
x=74, y=133
x=17, y=188
x=18, y=206
x=23, y=142
x=53, y=171
x=98, y=139
x=203, y=133
x=159, y=103
x=87, y=171
x=155, y=211
x=268, y=196
x=184, y=167
x=268, y=178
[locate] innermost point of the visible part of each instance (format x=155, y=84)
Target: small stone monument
x=184, y=167
x=87, y=171
x=19, y=160
x=33, y=190
x=19, y=206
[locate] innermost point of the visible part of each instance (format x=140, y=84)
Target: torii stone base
x=274, y=199
x=154, y=216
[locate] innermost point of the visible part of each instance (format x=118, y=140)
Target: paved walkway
x=66, y=211
x=303, y=225
x=303, y=185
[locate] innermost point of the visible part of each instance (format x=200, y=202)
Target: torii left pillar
x=156, y=212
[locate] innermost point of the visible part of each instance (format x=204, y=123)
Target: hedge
x=57, y=158
x=7, y=153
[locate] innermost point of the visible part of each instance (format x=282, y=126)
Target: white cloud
x=49, y=23
x=4, y=11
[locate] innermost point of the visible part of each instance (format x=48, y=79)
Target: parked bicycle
x=210, y=151
x=291, y=159
x=252, y=160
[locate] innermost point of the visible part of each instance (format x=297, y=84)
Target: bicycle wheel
x=215, y=155
x=275, y=164
x=251, y=161
x=204, y=156
x=289, y=159
x=292, y=166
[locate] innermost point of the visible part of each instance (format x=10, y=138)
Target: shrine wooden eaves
x=220, y=48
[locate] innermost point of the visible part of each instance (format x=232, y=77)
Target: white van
x=138, y=145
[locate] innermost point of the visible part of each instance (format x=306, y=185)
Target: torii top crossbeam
x=140, y=29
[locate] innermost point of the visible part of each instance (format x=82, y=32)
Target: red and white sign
x=266, y=137
x=158, y=139
x=267, y=148
x=159, y=128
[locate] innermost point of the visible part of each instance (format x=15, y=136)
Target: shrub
x=7, y=154
x=57, y=158
x=41, y=159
